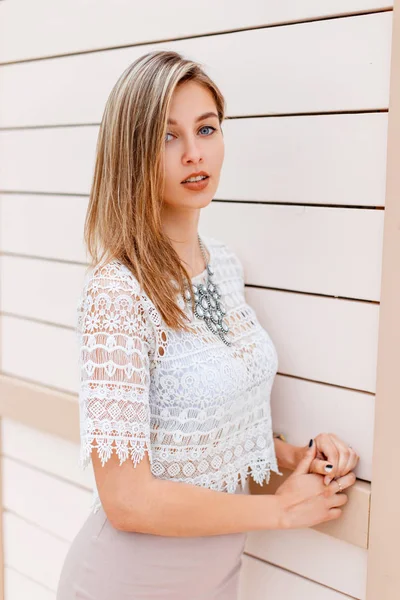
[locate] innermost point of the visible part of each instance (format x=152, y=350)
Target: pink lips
x=196, y=185
x=196, y=175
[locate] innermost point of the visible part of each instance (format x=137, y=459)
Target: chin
x=192, y=200
x=199, y=201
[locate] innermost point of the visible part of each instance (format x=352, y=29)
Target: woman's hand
x=304, y=499
x=333, y=451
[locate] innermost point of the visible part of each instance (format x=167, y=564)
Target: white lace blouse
x=198, y=407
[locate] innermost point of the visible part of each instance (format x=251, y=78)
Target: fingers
x=334, y=513
x=337, y=500
x=345, y=482
x=339, y=459
x=326, y=444
x=304, y=464
x=322, y=467
x=343, y=462
x=352, y=461
x=350, y=465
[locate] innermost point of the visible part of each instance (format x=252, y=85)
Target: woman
x=176, y=370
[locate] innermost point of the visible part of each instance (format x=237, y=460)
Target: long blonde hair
x=123, y=220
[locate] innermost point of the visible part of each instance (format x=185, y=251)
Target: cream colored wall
x=301, y=199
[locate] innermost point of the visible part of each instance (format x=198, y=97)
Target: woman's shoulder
x=113, y=275
x=224, y=255
x=217, y=244
x=111, y=293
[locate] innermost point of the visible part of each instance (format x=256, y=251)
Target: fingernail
x=328, y=468
x=327, y=482
x=310, y=443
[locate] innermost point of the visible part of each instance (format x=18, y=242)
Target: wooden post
x=383, y=576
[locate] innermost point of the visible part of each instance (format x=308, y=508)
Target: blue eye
x=207, y=127
x=204, y=127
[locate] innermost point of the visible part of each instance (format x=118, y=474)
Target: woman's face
x=192, y=144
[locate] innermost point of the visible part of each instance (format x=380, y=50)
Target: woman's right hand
x=305, y=499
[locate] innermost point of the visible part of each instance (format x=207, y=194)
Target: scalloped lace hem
x=123, y=448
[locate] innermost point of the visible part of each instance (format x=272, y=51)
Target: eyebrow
x=200, y=118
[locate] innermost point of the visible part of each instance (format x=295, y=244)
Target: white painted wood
x=68, y=26
x=40, y=289
x=313, y=249
x=19, y=587
x=45, y=452
x=262, y=581
x=29, y=225
x=298, y=324
x=319, y=250
x=33, y=552
x=306, y=159
x=59, y=508
x=50, y=160
x=254, y=69
x=331, y=160
x=44, y=354
x=303, y=409
x=322, y=558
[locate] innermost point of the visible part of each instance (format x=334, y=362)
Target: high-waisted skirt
x=104, y=563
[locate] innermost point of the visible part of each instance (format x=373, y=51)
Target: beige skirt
x=104, y=563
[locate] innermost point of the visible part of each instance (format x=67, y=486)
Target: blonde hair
x=123, y=220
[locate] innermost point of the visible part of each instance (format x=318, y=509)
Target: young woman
x=176, y=370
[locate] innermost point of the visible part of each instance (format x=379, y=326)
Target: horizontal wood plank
x=33, y=552
x=47, y=410
x=322, y=339
x=301, y=159
x=283, y=247
x=17, y=586
x=70, y=91
x=259, y=579
x=41, y=289
x=50, y=449
x=335, y=563
x=55, y=365
x=29, y=225
x=69, y=27
x=321, y=250
x=61, y=508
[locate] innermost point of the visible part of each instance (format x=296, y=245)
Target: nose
x=192, y=152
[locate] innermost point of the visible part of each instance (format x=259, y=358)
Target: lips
x=195, y=175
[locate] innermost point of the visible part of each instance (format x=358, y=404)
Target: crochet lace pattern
x=198, y=408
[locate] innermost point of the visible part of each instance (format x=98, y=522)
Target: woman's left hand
x=333, y=451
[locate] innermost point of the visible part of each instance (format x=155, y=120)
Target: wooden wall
x=307, y=87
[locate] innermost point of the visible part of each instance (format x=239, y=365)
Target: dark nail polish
x=328, y=467
x=311, y=443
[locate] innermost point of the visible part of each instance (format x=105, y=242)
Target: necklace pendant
x=208, y=305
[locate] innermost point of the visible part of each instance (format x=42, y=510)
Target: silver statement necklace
x=208, y=305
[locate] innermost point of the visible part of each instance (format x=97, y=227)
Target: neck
x=181, y=227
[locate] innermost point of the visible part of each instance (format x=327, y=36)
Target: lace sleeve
x=114, y=343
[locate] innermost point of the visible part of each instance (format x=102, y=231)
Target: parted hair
x=123, y=220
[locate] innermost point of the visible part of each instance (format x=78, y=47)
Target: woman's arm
x=134, y=500
x=288, y=455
